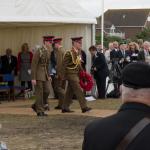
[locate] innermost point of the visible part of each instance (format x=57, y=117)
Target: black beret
x=136, y=75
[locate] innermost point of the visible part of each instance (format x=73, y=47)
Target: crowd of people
x=128, y=67
x=18, y=66
x=60, y=66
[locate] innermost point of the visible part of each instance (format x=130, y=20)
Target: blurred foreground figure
x=129, y=128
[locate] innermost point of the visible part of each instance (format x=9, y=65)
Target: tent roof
x=54, y=11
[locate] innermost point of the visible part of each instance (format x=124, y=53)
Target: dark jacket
x=6, y=66
x=99, y=62
x=107, y=133
x=141, y=55
x=83, y=57
x=115, y=56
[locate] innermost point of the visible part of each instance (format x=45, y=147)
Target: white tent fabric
x=62, y=11
x=58, y=11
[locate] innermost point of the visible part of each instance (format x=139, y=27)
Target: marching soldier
x=72, y=67
x=40, y=76
x=57, y=57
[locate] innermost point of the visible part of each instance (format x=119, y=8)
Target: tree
x=145, y=34
x=108, y=39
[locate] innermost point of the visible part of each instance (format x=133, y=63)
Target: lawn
x=55, y=132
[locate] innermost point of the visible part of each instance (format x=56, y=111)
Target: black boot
x=86, y=109
x=41, y=114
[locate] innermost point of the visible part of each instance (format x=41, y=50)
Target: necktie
x=9, y=59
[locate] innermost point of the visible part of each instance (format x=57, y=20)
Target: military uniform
x=39, y=72
x=72, y=66
x=58, y=82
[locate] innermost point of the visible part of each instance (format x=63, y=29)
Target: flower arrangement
x=86, y=81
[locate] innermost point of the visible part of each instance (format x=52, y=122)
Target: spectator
x=107, y=54
x=144, y=54
x=108, y=133
x=115, y=55
x=83, y=59
x=24, y=66
x=100, y=70
x=133, y=51
x=9, y=64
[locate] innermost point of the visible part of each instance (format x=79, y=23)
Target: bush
x=108, y=39
x=145, y=34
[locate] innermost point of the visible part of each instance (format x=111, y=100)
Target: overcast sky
x=120, y=4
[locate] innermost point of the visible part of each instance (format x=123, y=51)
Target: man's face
x=78, y=45
x=58, y=45
x=8, y=52
x=115, y=45
x=146, y=46
x=47, y=43
x=92, y=52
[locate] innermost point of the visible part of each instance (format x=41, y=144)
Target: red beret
x=48, y=38
x=57, y=40
x=76, y=39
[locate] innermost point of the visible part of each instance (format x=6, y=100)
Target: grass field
x=55, y=132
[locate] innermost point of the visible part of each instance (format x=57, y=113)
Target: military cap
x=77, y=39
x=136, y=75
x=48, y=38
x=57, y=40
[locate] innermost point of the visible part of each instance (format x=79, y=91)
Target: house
x=125, y=23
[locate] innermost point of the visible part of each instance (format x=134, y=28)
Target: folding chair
x=4, y=88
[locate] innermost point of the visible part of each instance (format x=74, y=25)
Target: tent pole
x=93, y=34
x=102, y=25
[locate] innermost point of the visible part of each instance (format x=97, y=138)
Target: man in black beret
x=129, y=128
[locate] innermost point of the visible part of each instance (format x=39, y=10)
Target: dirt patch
x=51, y=133
x=23, y=130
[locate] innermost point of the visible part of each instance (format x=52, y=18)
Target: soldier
x=57, y=57
x=72, y=67
x=40, y=76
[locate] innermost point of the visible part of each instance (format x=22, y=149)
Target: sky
x=126, y=4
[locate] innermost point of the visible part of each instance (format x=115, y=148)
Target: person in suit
x=115, y=54
x=72, y=67
x=124, y=55
x=109, y=133
x=9, y=64
x=100, y=70
x=144, y=54
x=83, y=59
x=58, y=79
x=40, y=76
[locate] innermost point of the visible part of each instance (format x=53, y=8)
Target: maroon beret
x=48, y=38
x=76, y=39
x=57, y=40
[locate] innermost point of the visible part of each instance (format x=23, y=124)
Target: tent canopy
x=55, y=11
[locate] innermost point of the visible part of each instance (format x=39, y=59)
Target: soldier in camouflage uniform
x=72, y=67
x=40, y=76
